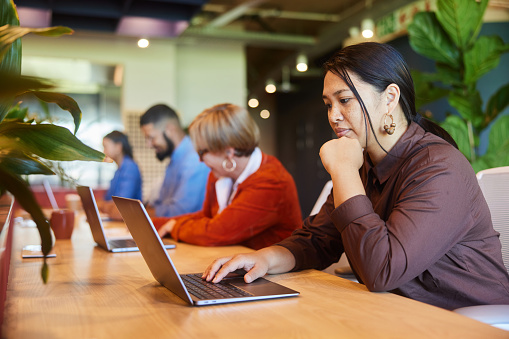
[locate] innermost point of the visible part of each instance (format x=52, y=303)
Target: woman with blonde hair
x=251, y=199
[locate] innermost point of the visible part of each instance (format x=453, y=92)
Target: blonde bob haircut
x=222, y=126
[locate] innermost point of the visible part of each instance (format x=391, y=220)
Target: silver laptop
x=189, y=287
x=124, y=244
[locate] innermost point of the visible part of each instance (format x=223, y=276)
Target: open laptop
x=124, y=244
x=189, y=287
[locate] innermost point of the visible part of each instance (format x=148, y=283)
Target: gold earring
x=389, y=129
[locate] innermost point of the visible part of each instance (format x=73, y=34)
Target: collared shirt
x=226, y=189
x=423, y=230
x=126, y=182
x=184, y=184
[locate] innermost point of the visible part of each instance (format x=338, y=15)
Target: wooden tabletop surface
x=92, y=293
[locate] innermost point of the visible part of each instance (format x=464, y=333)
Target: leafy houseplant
x=24, y=143
x=450, y=37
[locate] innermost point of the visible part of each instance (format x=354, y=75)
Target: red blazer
x=264, y=211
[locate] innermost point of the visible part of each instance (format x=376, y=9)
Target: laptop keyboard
x=122, y=243
x=207, y=290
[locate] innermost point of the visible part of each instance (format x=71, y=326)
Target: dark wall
x=302, y=128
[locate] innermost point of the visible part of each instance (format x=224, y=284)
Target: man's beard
x=169, y=150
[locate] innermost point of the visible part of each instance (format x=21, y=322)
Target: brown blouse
x=423, y=230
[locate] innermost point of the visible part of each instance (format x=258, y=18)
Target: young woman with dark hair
x=127, y=181
x=406, y=207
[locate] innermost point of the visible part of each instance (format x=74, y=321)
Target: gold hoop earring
x=389, y=129
x=229, y=169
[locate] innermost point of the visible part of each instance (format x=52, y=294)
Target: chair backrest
x=494, y=184
x=322, y=198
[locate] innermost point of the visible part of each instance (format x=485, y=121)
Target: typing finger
x=211, y=271
x=256, y=272
x=238, y=262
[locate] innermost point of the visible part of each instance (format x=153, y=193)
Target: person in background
x=183, y=188
x=127, y=180
x=406, y=207
x=251, y=199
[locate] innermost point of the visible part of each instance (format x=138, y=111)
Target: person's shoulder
x=433, y=151
x=439, y=149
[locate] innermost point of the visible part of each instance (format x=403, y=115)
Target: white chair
x=494, y=184
x=322, y=198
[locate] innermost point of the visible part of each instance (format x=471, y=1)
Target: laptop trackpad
x=260, y=286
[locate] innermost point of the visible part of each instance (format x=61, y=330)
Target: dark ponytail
x=430, y=126
x=381, y=65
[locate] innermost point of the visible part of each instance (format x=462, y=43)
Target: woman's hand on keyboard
x=274, y=259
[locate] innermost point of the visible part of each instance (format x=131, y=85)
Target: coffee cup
x=62, y=223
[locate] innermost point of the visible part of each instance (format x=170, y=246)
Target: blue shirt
x=126, y=182
x=185, y=181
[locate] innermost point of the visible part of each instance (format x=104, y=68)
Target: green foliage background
x=450, y=37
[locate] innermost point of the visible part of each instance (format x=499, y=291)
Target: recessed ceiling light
x=143, y=43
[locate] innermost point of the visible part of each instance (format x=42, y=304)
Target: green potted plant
x=450, y=36
x=23, y=142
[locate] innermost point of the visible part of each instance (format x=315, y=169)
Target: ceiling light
x=368, y=27
x=264, y=114
x=253, y=103
x=143, y=43
x=302, y=63
x=270, y=86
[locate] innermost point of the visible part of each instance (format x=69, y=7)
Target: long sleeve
x=318, y=243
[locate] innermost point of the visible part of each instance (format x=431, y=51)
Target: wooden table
x=95, y=294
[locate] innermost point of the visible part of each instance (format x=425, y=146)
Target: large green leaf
x=65, y=102
x=13, y=85
x=497, y=154
x=483, y=57
x=448, y=75
x=17, y=113
x=15, y=161
x=47, y=141
x=429, y=39
x=499, y=140
x=9, y=34
x=425, y=90
x=458, y=130
x=461, y=19
x=19, y=188
x=11, y=62
x=469, y=106
x=497, y=103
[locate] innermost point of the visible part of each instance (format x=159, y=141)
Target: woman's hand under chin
x=340, y=155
